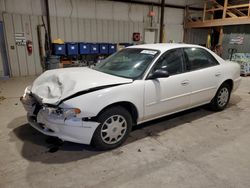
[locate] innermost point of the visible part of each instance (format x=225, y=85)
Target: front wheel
x=221, y=98
x=115, y=126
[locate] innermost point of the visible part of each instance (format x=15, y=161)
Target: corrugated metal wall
x=196, y=36
x=68, y=29
x=231, y=32
x=22, y=64
x=92, y=30
x=79, y=20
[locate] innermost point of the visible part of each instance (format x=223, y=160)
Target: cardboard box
x=66, y=62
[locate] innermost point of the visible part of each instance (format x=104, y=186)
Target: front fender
x=92, y=103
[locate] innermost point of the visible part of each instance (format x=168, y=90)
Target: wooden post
x=221, y=36
x=162, y=20
x=225, y=9
x=249, y=9
x=185, y=21
x=208, y=43
x=212, y=16
x=204, y=11
x=48, y=27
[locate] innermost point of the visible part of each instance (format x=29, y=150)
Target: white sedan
x=99, y=106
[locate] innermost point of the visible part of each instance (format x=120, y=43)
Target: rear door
x=204, y=74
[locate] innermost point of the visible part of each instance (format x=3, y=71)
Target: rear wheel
x=221, y=98
x=115, y=126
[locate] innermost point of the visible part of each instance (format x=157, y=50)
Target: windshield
x=128, y=63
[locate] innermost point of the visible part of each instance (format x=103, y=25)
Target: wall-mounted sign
x=20, y=39
x=136, y=37
x=236, y=40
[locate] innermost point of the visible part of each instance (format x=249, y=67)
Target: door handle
x=184, y=83
x=217, y=74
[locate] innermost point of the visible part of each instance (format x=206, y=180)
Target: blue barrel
x=52, y=62
x=84, y=48
x=59, y=49
x=94, y=48
x=104, y=48
x=72, y=48
x=112, y=48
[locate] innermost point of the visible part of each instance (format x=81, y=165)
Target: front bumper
x=72, y=129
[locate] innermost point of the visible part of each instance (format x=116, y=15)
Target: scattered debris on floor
x=2, y=98
x=152, y=133
x=54, y=144
x=117, y=152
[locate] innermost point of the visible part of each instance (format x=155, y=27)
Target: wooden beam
x=212, y=1
x=214, y=9
x=231, y=14
x=243, y=9
x=204, y=11
x=225, y=9
x=249, y=9
x=238, y=6
x=238, y=12
x=219, y=22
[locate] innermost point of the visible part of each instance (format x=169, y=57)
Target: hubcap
x=113, y=129
x=223, y=97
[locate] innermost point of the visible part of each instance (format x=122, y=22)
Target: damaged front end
x=52, y=120
x=45, y=100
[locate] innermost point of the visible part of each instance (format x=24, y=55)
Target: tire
x=115, y=126
x=222, y=97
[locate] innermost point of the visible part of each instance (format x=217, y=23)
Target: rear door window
x=198, y=58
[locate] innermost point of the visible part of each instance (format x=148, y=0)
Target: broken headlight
x=65, y=112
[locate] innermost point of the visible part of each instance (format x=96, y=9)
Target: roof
x=164, y=46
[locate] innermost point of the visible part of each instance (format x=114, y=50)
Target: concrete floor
x=196, y=148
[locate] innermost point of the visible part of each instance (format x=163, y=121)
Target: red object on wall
x=136, y=37
x=29, y=46
x=151, y=14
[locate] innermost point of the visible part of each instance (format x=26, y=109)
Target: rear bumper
x=236, y=84
x=73, y=130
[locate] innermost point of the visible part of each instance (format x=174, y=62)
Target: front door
x=171, y=94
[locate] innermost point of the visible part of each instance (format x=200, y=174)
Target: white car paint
x=54, y=85
x=152, y=98
x=163, y=96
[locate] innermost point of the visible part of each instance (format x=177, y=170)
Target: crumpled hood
x=55, y=85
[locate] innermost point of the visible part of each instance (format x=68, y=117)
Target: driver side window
x=171, y=61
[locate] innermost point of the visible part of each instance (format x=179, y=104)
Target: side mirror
x=159, y=73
